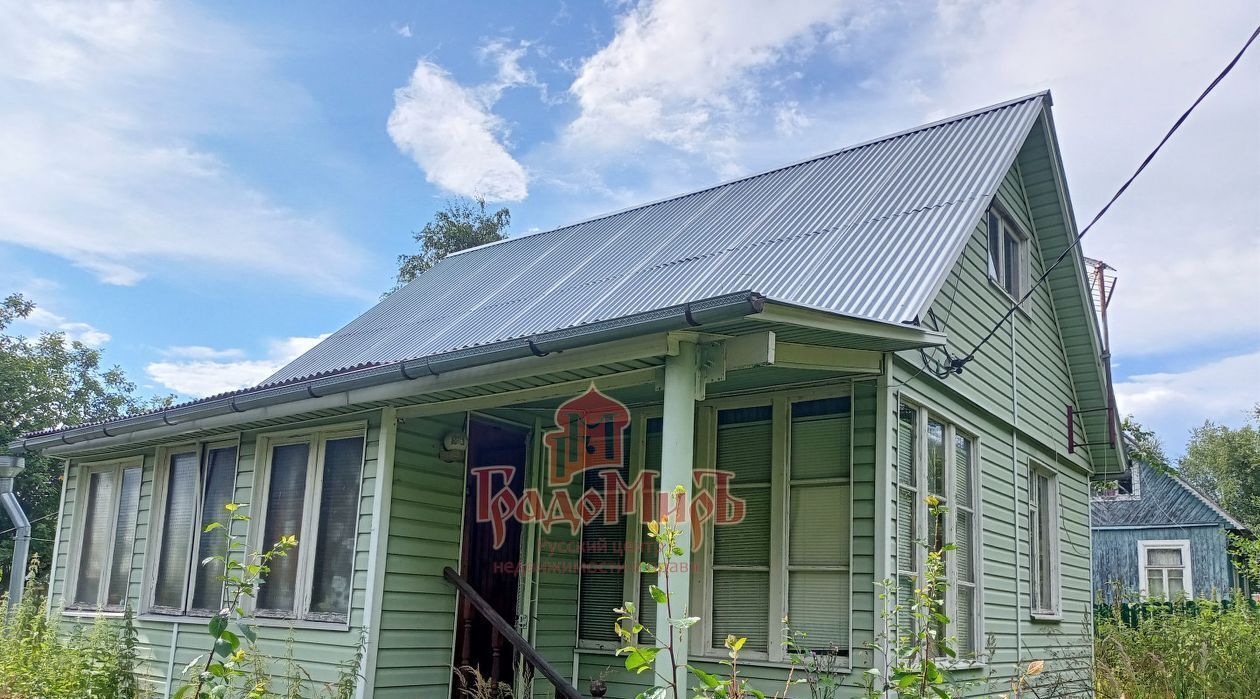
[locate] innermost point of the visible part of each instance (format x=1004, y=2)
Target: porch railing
x=530, y=654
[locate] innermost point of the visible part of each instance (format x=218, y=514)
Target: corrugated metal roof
x=867, y=231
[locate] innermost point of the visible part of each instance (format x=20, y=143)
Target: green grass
x=1198, y=650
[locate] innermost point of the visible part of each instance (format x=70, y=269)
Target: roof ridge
x=779, y=168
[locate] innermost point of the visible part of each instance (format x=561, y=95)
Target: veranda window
x=789, y=556
x=107, y=534
x=936, y=458
x=195, y=484
x=310, y=489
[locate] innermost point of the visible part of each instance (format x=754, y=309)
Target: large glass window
x=936, y=458
x=107, y=535
x=790, y=463
x=196, y=482
x=311, y=487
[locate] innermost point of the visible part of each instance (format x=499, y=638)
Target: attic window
x=1008, y=254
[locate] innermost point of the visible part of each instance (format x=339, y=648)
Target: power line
x=956, y=364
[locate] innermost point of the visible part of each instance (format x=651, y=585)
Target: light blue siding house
x=1158, y=536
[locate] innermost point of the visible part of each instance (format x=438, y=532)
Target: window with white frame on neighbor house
x=110, y=501
x=1164, y=569
x=1008, y=253
x=937, y=458
x=309, y=488
x=194, y=484
x=1043, y=543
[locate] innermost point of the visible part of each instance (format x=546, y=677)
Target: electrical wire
x=956, y=364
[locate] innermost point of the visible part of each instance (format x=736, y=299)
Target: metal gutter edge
x=680, y=317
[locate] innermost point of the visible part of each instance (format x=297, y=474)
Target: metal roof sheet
x=867, y=231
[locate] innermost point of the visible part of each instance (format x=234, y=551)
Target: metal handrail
x=564, y=690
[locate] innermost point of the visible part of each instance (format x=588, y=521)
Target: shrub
x=1183, y=650
x=41, y=660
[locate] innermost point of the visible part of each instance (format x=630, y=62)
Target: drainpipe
x=10, y=466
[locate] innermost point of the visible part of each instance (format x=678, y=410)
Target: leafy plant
x=918, y=648
x=228, y=659
x=40, y=659
x=1187, y=650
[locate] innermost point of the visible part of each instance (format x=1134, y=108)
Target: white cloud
x=685, y=73
x=1183, y=238
x=403, y=30
x=1173, y=402
x=199, y=371
x=105, y=105
x=450, y=132
x=43, y=319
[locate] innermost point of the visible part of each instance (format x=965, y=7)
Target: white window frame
x=1135, y=492
x=157, y=520
x=1187, y=575
x=83, y=482
x=1007, y=226
x=780, y=404
x=1036, y=607
x=317, y=438
x=953, y=426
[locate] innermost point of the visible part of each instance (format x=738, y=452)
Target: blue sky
x=201, y=190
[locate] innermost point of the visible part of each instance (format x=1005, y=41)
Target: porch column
x=682, y=381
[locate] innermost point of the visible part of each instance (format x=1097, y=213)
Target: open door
x=489, y=560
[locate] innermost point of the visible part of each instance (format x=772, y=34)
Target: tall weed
x=1184, y=650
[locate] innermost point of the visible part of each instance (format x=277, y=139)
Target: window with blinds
x=602, y=576
x=1042, y=541
x=312, y=485
x=107, y=537
x=740, y=580
x=936, y=458
x=195, y=483
x=818, y=524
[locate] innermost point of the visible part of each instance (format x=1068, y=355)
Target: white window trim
x=953, y=426
x=702, y=581
x=1183, y=544
x=157, y=519
x=83, y=483
x=303, y=581
x=1023, y=242
x=1054, y=612
x=702, y=559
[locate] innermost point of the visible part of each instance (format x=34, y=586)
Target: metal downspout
x=10, y=467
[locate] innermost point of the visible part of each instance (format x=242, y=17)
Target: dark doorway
x=490, y=557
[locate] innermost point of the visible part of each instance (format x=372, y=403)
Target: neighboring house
x=768, y=334
x=1158, y=536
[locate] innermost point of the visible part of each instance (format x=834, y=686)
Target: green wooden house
x=774, y=344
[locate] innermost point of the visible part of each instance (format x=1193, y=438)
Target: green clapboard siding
x=165, y=643
x=417, y=631
x=1028, y=365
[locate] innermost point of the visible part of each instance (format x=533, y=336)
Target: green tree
x=1145, y=445
x=48, y=382
x=1225, y=464
x=463, y=223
